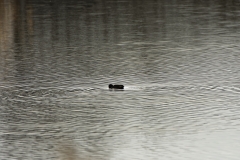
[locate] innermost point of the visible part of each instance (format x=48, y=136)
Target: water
x=179, y=62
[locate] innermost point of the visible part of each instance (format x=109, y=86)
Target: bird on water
x=115, y=86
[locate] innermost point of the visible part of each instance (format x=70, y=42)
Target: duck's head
x=110, y=86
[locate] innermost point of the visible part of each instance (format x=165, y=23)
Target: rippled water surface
x=178, y=60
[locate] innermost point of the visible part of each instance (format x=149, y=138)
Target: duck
x=115, y=86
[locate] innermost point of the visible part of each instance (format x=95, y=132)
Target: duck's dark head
x=110, y=86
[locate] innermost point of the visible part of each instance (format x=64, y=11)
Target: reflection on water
x=178, y=61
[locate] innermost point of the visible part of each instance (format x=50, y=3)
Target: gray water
x=178, y=60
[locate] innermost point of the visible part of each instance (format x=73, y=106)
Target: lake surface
x=178, y=60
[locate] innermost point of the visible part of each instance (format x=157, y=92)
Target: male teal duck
x=115, y=86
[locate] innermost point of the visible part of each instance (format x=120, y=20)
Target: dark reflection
x=6, y=40
x=178, y=62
